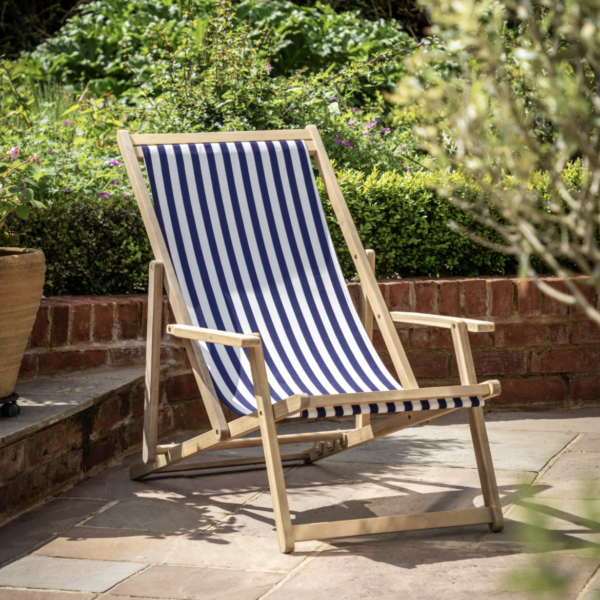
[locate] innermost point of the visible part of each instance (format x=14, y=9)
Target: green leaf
x=23, y=211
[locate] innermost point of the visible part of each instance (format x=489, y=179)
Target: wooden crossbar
x=162, y=139
x=415, y=522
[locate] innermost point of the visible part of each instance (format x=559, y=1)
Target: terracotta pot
x=21, y=285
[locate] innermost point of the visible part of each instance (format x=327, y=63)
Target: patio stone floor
x=211, y=535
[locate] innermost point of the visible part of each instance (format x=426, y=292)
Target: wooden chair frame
x=165, y=458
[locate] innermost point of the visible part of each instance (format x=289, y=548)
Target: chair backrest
x=248, y=239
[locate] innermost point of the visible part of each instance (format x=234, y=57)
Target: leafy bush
x=402, y=218
x=95, y=246
x=99, y=246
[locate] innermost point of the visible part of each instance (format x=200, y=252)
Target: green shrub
x=99, y=246
x=400, y=217
x=95, y=246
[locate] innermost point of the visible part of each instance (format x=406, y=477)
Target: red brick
x=478, y=340
x=165, y=420
x=425, y=296
x=60, y=325
x=475, y=292
x=400, y=295
x=586, y=389
x=565, y=361
x=449, y=298
x=103, y=322
x=133, y=431
x=41, y=328
x=28, y=368
x=127, y=316
x=530, y=334
x=173, y=354
x=354, y=291
x=502, y=297
x=586, y=332
x=429, y=365
x=80, y=327
x=432, y=338
x=100, y=451
x=51, y=441
x=129, y=356
x=497, y=363
x=588, y=292
x=12, y=460
x=181, y=387
x=23, y=490
x=64, y=468
x=531, y=392
x=137, y=401
x=52, y=362
x=529, y=303
x=190, y=415
x=111, y=411
x=379, y=343
x=551, y=306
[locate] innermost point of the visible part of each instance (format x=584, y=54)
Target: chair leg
x=153, y=337
x=271, y=448
x=485, y=467
x=481, y=444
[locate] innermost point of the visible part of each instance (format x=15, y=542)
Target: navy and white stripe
x=249, y=242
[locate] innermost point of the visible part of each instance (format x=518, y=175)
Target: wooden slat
x=234, y=462
x=161, y=139
x=441, y=321
x=182, y=316
x=414, y=522
x=366, y=317
x=215, y=336
x=361, y=262
x=152, y=381
x=294, y=438
x=481, y=445
x=485, y=389
x=266, y=419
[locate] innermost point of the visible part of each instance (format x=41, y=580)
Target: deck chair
x=242, y=246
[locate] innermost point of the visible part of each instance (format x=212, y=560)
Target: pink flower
x=36, y=159
x=67, y=191
x=104, y=195
x=356, y=110
x=269, y=68
x=126, y=195
x=350, y=123
x=348, y=144
x=114, y=163
x=337, y=140
x=371, y=124
x=333, y=98
x=13, y=153
x=66, y=122
x=115, y=182
x=386, y=129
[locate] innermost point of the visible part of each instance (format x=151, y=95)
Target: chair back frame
x=130, y=146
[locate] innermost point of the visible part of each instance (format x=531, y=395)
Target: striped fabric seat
x=249, y=242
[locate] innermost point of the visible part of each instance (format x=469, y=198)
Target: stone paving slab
x=66, y=574
x=36, y=527
x=582, y=466
x=393, y=571
x=590, y=442
x=337, y=491
x=184, y=583
x=582, y=420
x=565, y=525
x=448, y=446
x=158, y=515
x=12, y=594
x=223, y=551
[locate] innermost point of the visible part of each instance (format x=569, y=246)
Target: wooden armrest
x=227, y=338
x=441, y=321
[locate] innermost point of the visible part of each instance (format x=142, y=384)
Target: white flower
x=13, y=153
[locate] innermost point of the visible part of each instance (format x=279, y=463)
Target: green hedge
x=99, y=246
x=400, y=217
x=91, y=246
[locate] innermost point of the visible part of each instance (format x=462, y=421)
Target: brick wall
x=546, y=354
